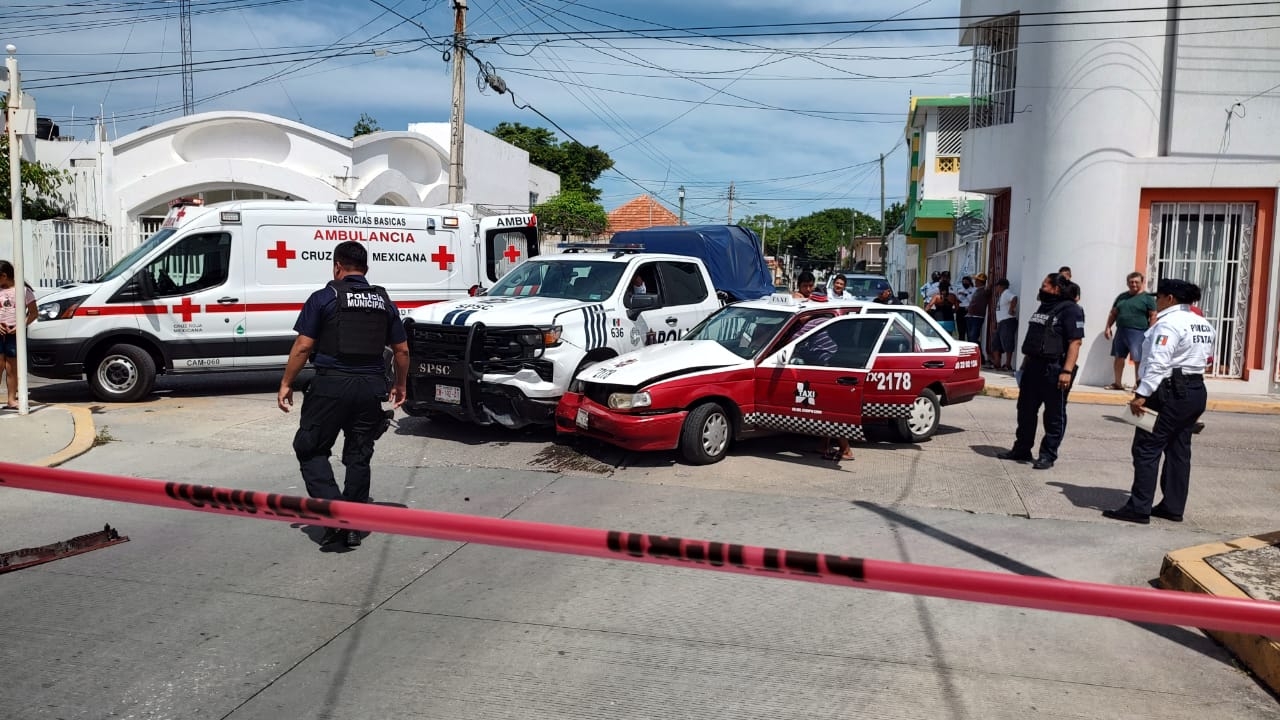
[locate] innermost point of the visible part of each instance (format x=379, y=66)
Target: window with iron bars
x=946, y=165
x=995, y=63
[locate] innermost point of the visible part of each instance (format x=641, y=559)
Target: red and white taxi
x=778, y=364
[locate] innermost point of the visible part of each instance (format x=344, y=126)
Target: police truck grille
x=497, y=350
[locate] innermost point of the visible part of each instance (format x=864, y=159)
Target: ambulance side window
x=194, y=263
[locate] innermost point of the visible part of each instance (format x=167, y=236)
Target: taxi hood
x=662, y=361
x=496, y=311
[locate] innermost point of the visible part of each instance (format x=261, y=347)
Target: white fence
x=66, y=251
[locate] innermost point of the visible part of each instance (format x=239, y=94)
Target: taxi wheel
x=704, y=439
x=924, y=419
x=124, y=373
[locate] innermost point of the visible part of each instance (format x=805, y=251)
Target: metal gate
x=68, y=251
x=1211, y=245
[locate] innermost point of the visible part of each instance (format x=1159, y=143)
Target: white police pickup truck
x=507, y=357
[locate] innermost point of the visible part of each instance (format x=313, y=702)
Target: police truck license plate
x=449, y=394
x=582, y=418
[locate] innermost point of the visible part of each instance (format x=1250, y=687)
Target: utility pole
x=883, y=230
x=731, y=202
x=681, y=191
x=456, y=115
x=12, y=121
x=184, y=29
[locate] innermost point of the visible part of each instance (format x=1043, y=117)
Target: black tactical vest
x=1046, y=337
x=357, y=331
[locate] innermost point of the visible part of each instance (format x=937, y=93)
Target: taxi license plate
x=582, y=418
x=449, y=394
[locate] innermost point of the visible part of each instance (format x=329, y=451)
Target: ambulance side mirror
x=139, y=287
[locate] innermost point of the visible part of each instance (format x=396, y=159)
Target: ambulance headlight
x=59, y=309
x=629, y=401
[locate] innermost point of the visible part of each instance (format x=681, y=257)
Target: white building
x=1121, y=140
x=123, y=186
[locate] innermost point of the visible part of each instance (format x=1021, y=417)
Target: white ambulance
x=220, y=286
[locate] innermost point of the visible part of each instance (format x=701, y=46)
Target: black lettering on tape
x=613, y=540
x=804, y=563
x=695, y=551
x=735, y=555
x=635, y=544
x=771, y=560
x=715, y=553
x=669, y=547
x=845, y=566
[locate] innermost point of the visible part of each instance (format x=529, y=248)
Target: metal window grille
x=1211, y=245
x=947, y=165
x=952, y=122
x=995, y=62
x=69, y=251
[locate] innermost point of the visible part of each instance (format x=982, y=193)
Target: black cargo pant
x=1179, y=407
x=1039, y=387
x=350, y=404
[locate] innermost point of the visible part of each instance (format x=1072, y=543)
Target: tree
x=894, y=216
x=41, y=187
x=820, y=235
x=571, y=212
x=773, y=235
x=366, y=125
x=577, y=165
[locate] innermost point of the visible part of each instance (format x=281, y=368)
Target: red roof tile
x=642, y=212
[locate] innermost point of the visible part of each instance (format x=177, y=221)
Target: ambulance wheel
x=124, y=373
x=924, y=419
x=704, y=438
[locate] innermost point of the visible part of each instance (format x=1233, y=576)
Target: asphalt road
x=205, y=616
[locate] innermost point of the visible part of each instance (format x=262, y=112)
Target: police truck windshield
x=744, y=332
x=568, y=280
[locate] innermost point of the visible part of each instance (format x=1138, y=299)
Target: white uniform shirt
x=964, y=295
x=928, y=290
x=1179, y=339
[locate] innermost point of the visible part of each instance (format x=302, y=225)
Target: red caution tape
x=1258, y=617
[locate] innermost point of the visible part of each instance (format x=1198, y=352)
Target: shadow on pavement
x=1186, y=638
x=988, y=450
x=1088, y=496
x=249, y=382
x=469, y=434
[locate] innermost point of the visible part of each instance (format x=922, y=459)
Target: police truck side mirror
x=637, y=303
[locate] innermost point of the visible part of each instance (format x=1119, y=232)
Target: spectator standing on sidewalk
x=976, y=314
x=964, y=294
x=9, y=305
x=1006, y=326
x=1132, y=313
x=1177, y=348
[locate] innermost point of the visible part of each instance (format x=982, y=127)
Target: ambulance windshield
x=744, y=332
x=127, y=261
x=570, y=280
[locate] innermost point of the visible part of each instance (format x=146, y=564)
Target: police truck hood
x=497, y=311
x=665, y=361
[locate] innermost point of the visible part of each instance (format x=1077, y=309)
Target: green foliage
x=773, y=235
x=821, y=234
x=41, y=188
x=894, y=215
x=571, y=213
x=366, y=125
x=577, y=165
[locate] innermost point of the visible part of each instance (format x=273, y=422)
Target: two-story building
x=944, y=226
x=1113, y=140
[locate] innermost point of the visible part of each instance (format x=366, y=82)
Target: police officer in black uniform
x=1175, y=352
x=343, y=329
x=1050, y=352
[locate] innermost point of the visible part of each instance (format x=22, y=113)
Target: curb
x=1188, y=571
x=1252, y=407
x=81, y=441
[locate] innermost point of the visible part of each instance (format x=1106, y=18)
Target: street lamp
x=681, y=191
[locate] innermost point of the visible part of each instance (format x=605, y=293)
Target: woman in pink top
x=9, y=328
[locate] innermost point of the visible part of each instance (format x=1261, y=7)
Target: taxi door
x=815, y=385
x=914, y=355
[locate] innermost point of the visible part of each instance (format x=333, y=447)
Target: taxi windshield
x=568, y=280
x=743, y=331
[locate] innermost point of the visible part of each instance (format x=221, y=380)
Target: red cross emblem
x=181, y=211
x=281, y=254
x=512, y=254
x=185, y=309
x=442, y=257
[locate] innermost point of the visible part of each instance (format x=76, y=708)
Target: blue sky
x=687, y=111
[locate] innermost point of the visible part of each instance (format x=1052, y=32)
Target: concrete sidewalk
x=48, y=436
x=1003, y=385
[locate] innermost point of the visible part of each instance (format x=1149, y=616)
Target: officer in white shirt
x=1175, y=352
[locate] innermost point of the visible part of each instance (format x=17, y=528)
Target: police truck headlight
x=629, y=401
x=60, y=309
x=551, y=335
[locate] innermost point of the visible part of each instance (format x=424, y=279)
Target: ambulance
x=219, y=287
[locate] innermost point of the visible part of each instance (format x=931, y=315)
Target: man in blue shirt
x=343, y=329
